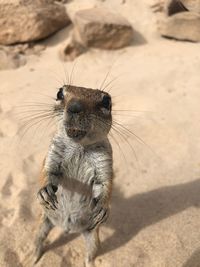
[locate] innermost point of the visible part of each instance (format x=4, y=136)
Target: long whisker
x=120, y=134
x=111, y=81
x=103, y=125
x=107, y=74
x=125, y=139
x=131, y=110
x=34, y=111
x=128, y=131
x=32, y=120
x=66, y=73
x=36, y=103
x=48, y=96
x=72, y=72
x=104, y=80
x=56, y=77
x=35, y=114
x=126, y=115
x=27, y=127
x=35, y=107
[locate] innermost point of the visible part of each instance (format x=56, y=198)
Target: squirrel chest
x=78, y=185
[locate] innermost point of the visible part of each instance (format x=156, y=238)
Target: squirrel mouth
x=76, y=133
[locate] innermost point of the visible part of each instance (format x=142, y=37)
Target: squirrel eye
x=60, y=95
x=106, y=102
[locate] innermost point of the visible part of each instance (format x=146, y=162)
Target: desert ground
x=155, y=216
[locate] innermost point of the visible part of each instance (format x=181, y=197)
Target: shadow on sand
x=130, y=215
x=194, y=261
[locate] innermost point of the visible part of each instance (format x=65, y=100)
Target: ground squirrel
x=76, y=178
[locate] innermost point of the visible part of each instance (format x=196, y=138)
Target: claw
x=38, y=254
x=47, y=197
x=99, y=217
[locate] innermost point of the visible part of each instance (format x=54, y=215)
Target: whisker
x=33, y=111
x=24, y=129
x=131, y=110
x=25, y=112
x=29, y=104
x=103, y=124
x=107, y=74
x=31, y=120
x=111, y=81
x=60, y=82
x=48, y=96
x=128, y=131
x=126, y=115
x=72, y=72
x=125, y=139
x=118, y=145
x=104, y=80
x=66, y=73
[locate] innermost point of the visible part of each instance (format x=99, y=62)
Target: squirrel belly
x=79, y=183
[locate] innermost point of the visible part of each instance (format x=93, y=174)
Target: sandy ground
x=155, y=217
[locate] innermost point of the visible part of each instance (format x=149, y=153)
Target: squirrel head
x=84, y=113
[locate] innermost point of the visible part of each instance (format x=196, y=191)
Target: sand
x=155, y=217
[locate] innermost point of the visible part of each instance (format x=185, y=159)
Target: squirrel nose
x=75, y=107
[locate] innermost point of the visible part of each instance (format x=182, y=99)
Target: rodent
x=76, y=178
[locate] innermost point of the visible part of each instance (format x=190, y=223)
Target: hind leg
x=42, y=234
x=92, y=246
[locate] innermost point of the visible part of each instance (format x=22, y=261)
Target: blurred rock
x=192, y=5
x=25, y=49
x=11, y=60
x=100, y=28
x=78, y=5
x=29, y=21
x=62, y=1
x=181, y=26
x=174, y=7
x=71, y=49
x=171, y=7
x=15, y=56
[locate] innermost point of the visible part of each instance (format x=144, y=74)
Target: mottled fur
x=76, y=179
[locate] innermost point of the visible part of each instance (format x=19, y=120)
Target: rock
x=174, y=7
x=182, y=26
x=62, y=1
x=97, y=27
x=171, y=7
x=15, y=56
x=192, y=5
x=29, y=21
x=71, y=49
x=11, y=60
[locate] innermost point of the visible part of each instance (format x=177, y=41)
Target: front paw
x=47, y=196
x=99, y=215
